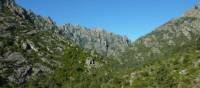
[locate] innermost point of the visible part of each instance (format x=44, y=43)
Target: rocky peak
x=23, y=16
x=194, y=12
x=8, y=3
x=97, y=39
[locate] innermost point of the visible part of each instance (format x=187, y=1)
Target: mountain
x=174, y=35
x=168, y=57
x=97, y=40
x=104, y=43
x=9, y=7
x=36, y=53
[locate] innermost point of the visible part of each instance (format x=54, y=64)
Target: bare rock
x=31, y=32
x=41, y=68
x=97, y=39
x=92, y=63
x=14, y=57
x=20, y=75
x=195, y=12
x=29, y=45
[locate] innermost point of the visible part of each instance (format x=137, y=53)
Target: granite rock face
x=96, y=39
x=20, y=75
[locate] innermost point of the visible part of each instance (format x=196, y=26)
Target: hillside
x=168, y=57
x=33, y=53
x=177, y=34
x=36, y=53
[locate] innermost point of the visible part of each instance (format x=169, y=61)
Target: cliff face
x=105, y=43
x=97, y=40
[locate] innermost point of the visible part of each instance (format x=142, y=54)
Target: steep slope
x=167, y=57
x=33, y=54
x=9, y=7
x=169, y=38
x=104, y=43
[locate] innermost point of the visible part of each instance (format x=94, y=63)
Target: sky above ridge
x=133, y=18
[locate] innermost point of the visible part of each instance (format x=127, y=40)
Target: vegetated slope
x=167, y=57
x=33, y=54
x=168, y=38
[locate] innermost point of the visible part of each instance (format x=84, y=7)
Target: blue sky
x=133, y=18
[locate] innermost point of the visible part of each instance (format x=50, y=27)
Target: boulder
x=32, y=32
x=92, y=63
x=20, y=75
x=14, y=57
x=41, y=68
x=29, y=45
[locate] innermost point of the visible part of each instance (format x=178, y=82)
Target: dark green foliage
x=3, y=82
x=5, y=10
x=196, y=7
x=198, y=44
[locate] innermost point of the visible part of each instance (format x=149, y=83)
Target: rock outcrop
x=195, y=12
x=36, y=53
x=20, y=75
x=96, y=39
x=11, y=8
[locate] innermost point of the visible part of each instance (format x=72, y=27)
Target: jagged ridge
x=32, y=52
x=104, y=43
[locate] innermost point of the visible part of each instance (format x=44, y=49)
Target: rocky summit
x=36, y=53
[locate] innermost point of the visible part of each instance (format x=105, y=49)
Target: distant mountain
x=104, y=43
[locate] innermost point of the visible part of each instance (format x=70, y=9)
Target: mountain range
x=37, y=53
